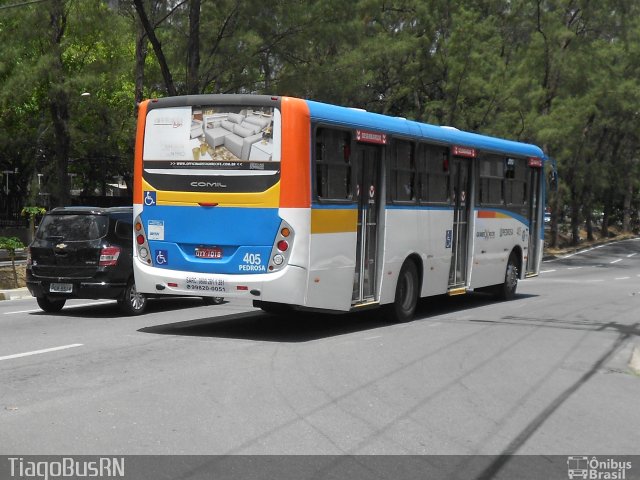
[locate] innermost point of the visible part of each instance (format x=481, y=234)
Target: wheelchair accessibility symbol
x=149, y=198
x=162, y=257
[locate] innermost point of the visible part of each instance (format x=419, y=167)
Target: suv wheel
x=51, y=305
x=133, y=302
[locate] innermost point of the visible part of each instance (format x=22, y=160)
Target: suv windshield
x=73, y=227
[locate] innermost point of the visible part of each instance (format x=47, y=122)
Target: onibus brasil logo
x=597, y=469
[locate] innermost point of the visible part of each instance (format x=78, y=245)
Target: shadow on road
x=110, y=309
x=306, y=326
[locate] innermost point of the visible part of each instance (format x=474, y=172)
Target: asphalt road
x=544, y=374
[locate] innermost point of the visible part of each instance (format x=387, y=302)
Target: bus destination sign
x=535, y=162
x=464, y=152
x=367, y=136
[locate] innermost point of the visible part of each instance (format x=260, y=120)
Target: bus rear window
x=212, y=149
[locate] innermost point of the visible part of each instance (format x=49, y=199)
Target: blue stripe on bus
x=351, y=118
x=417, y=207
x=336, y=206
x=243, y=234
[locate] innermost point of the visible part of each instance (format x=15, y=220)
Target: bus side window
x=433, y=168
x=492, y=174
x=333, y=164
x=515, y=181
x=403, y=172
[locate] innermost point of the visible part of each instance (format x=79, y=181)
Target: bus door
x=534, y=220
x=460, y=176
x=367, y=163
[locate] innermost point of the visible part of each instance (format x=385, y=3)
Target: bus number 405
x=252, y=258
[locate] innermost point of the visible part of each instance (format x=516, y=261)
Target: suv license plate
x=61, y=287
x=208, y=252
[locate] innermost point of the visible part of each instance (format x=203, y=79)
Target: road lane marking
x=623, y=278
x=616, y=261
x=38, y=352
x=587, y=250
x=574, y=268
x=632, y=254
x=66, y=307
x=547, y=271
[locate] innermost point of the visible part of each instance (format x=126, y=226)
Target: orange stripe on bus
x=295, y=188
x=491, y=214
x=137, y=159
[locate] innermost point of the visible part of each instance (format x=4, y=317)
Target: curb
x=634, y=363
x=15, y=294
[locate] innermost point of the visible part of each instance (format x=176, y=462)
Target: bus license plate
x=208, y=252
x=61, y=287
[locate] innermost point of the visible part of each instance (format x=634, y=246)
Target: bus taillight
x=281, y=249
x=283, y=246
x=141, y=240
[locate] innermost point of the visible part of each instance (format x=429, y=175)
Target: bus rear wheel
x=406, y=298
x=507, y=290
x=212, y=300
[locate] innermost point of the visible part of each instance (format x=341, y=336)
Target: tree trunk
x=626, y=204
x=575, y=219
x=604, y=228
x=588, y=223
x=141, y=55
x=157, y=48
x=59, y=105
x=588, y=213
x=15, y=272
x=193, y=49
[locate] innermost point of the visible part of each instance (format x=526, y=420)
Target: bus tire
x=212, y=300
x=51, y=305
x=507, y=290
x=273, y=308
x=406, y=298
x=132, y=302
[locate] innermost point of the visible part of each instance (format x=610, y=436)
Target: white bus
x=297, y=204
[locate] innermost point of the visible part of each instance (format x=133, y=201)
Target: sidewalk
x=14, y=294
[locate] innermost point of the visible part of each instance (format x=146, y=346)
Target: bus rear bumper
x=286, y=286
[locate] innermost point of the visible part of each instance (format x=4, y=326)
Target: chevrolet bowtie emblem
x=61, y=246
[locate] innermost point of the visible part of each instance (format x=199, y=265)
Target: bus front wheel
x=406, y=298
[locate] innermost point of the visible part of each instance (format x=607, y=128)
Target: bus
x=297, y=204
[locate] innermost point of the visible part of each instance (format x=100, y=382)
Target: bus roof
x=355, y=118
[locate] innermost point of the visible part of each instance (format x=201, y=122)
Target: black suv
x=85, y=252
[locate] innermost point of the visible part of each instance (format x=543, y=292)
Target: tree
x=11, y=244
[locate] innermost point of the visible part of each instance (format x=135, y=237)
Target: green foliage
x=32, y=212
x=11, y=244
x=560, y=74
